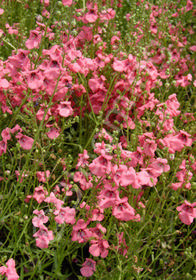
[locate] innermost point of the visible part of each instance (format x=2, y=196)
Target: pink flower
x=80, y=232
x=150, y=147
x=25, y=142
x=40, y=219
x=82, y=160
x=189, y=6
x=52, y=199
x=101, y=165
x=99, y=248
x=3, y=147
x=9, y=271
x=64, y=109
x=91, y=16
x=34, y=79
x=46, y=2
x=44, y=236
x=40, y=194
x=187, y=212
x=41, y=176
x=66, y=214
x=6, y=134
x=53, y=133
x=123, y=211
x=34, y=40
x=67, y=2
x=88, y=268
x=1, y=11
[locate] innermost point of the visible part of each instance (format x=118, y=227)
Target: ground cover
x=98, y=139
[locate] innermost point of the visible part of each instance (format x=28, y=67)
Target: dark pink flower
x=88, y=268
x=25, y=142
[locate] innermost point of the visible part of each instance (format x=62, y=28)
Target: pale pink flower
x=1, y=11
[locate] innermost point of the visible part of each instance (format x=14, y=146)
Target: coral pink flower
x=158, y=166
x=121, y=242
x=25, y=142
x=88, y=268
x=99, y=248
x=66, y=214
x=9, y=271
x=34, y=40
x=40, y=219
x=187, y=212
